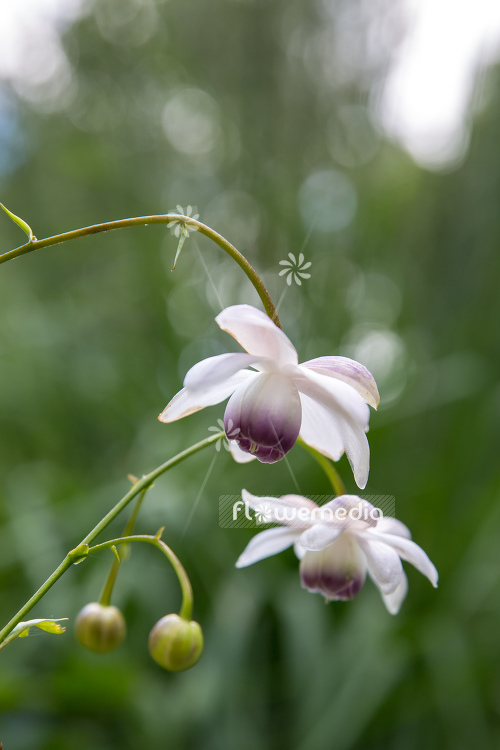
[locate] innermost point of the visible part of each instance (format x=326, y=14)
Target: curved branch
x=157, y=219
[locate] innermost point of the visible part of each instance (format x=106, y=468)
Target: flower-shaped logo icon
x=294, y=269
x=232, y=431
x=180, y=226
x=263, y=513
x=232, y=434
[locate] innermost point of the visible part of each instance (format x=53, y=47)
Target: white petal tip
x=167, y=416
x=432, y=575
x=361, y=481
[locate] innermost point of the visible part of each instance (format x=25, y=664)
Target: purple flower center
x=264, y=417
x=337, y=572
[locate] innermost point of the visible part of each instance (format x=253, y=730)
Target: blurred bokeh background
x=362, y=133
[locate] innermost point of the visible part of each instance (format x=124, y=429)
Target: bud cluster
x=174, y=643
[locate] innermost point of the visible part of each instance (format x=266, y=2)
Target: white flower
x=323, y=400
x=180, y=224
x=337, y=544
x=294, y=269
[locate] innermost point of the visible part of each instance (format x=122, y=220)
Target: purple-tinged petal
x=337, y=572
x=336, y=422
x=331, y=393
x=256, y=333
x=216, y=370
x=409, y=551
x=394, y=600
x=349, y=371
x=290, y=510
x=264, y=418
x=187, y=402
x=383, y=561
x=267, y=543
x=350, y=512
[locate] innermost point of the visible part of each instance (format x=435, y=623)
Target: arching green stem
x=157, y=219
x=80, y=552
x=107, y=589
x=185, y=584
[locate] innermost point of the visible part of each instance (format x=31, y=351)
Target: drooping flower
x=337, y=543
x=324, y=400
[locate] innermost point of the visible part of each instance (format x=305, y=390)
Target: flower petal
x=319, y=430
x=290, y=510
x=383, y=561
x=350, y=511
x=394, y=600
x=216, y=369
x=241, y=457
x=336, y=422
x=299, y=550
x=256, y=333
x=320, y=536
x=388, y=525
x=267, y=543
x=349, y=371
x=188, y=402
x=410, y=552
x=264, y=417
x=331, y=393
x=338, y=572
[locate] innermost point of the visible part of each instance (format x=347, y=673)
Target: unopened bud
x=100, y=628
x=175, y=644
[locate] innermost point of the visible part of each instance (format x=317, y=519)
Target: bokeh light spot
x=327, y=200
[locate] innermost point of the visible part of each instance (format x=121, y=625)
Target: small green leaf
x=50, y=626
x=20, y=223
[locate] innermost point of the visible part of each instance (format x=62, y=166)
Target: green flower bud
x=175, y=644
x=100, y=628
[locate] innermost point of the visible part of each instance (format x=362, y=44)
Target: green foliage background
x=96, y=336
